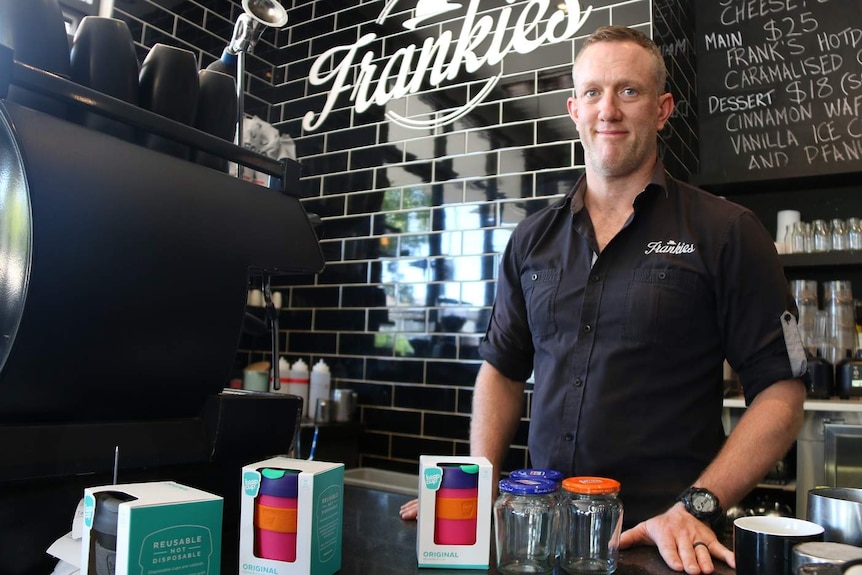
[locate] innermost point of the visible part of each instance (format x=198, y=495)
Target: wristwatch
x=703, y=504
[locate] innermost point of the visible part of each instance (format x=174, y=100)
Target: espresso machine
x=124, y=273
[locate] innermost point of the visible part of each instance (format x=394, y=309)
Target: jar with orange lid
x=592, y=523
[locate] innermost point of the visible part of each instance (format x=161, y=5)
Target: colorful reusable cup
x=456, y=505
x=275, y=511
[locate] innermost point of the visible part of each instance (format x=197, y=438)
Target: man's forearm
x=763, y=435
x=497, y=406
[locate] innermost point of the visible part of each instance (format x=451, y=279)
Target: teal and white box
x=319, y=518
x=161, y=527
x=433, y=550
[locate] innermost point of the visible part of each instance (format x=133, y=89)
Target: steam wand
x=249, y=27
x=272, y=315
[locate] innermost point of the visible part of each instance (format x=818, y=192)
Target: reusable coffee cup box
x=151, y=528
x=454, y=523
x=291, y=517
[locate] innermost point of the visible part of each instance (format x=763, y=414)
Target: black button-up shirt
x=627, y=345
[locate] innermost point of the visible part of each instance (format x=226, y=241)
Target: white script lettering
x=440, y=58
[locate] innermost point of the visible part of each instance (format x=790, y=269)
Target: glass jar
x=592, y=523
x=797, y=239
x=822, y=236
x=840, y=239
x=526, y=523
x=854, y=234
x=808, y=237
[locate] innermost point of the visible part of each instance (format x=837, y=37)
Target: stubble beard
x=617, y=163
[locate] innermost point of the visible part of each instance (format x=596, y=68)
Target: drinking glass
x=838, y=298
x=854, y=234
x=839, y=234
x=805, y=294
x=822, y=236
x=797, y=239
x=808, y=237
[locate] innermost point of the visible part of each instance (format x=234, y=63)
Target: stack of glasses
x=830, y=335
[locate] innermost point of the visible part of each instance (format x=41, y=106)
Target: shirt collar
x=658, y=182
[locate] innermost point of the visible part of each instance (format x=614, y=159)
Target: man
x=624, y=299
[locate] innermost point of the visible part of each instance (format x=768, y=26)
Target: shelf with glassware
x=822, y=260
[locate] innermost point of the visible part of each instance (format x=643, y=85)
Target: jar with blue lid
x=526, y=523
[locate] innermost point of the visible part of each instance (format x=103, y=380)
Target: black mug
x=216, y=113
x=103, y=58
x=763, y=545
x=168, y=86
x=36, y=32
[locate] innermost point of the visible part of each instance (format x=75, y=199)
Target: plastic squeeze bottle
x=297, y=380
x=320, y=384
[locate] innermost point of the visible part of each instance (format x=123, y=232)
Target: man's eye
x=591, y=93
x=630, y=92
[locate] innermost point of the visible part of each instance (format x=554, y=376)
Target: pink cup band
x=455, y=532
x=274, y=545
x=280, y=502
x=450, y=493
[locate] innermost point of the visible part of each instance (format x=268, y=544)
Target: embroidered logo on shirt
x=669, y=247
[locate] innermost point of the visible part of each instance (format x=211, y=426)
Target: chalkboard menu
x=779, y=88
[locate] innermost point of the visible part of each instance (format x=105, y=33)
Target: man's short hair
x=625, y=34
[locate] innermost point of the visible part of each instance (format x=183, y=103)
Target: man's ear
x=665, y=109
x=572, y=108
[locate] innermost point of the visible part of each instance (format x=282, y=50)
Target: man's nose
x=609, y=109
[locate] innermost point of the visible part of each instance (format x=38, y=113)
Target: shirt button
x=578, y=382
x=534, y=277
x=596, y=278
x=662, y=275
x=568, y=437
x=588, y=328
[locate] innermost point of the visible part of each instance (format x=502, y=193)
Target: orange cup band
x=279, y=519
x=455, y=508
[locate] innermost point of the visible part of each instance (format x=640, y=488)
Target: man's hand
x=685, y=543
x=410, y=510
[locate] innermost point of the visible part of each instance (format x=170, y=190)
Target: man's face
x=617, y=108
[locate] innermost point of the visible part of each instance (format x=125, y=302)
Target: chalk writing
x=780, y=88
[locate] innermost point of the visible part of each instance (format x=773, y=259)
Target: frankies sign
x=482, y=40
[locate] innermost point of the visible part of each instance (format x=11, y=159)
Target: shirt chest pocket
x=664, y=306
x=540, y=294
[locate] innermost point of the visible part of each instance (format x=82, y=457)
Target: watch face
x=702, y=502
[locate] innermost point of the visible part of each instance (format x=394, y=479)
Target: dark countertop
x=376, y=540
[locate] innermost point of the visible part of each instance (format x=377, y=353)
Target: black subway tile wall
x=419, y=173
